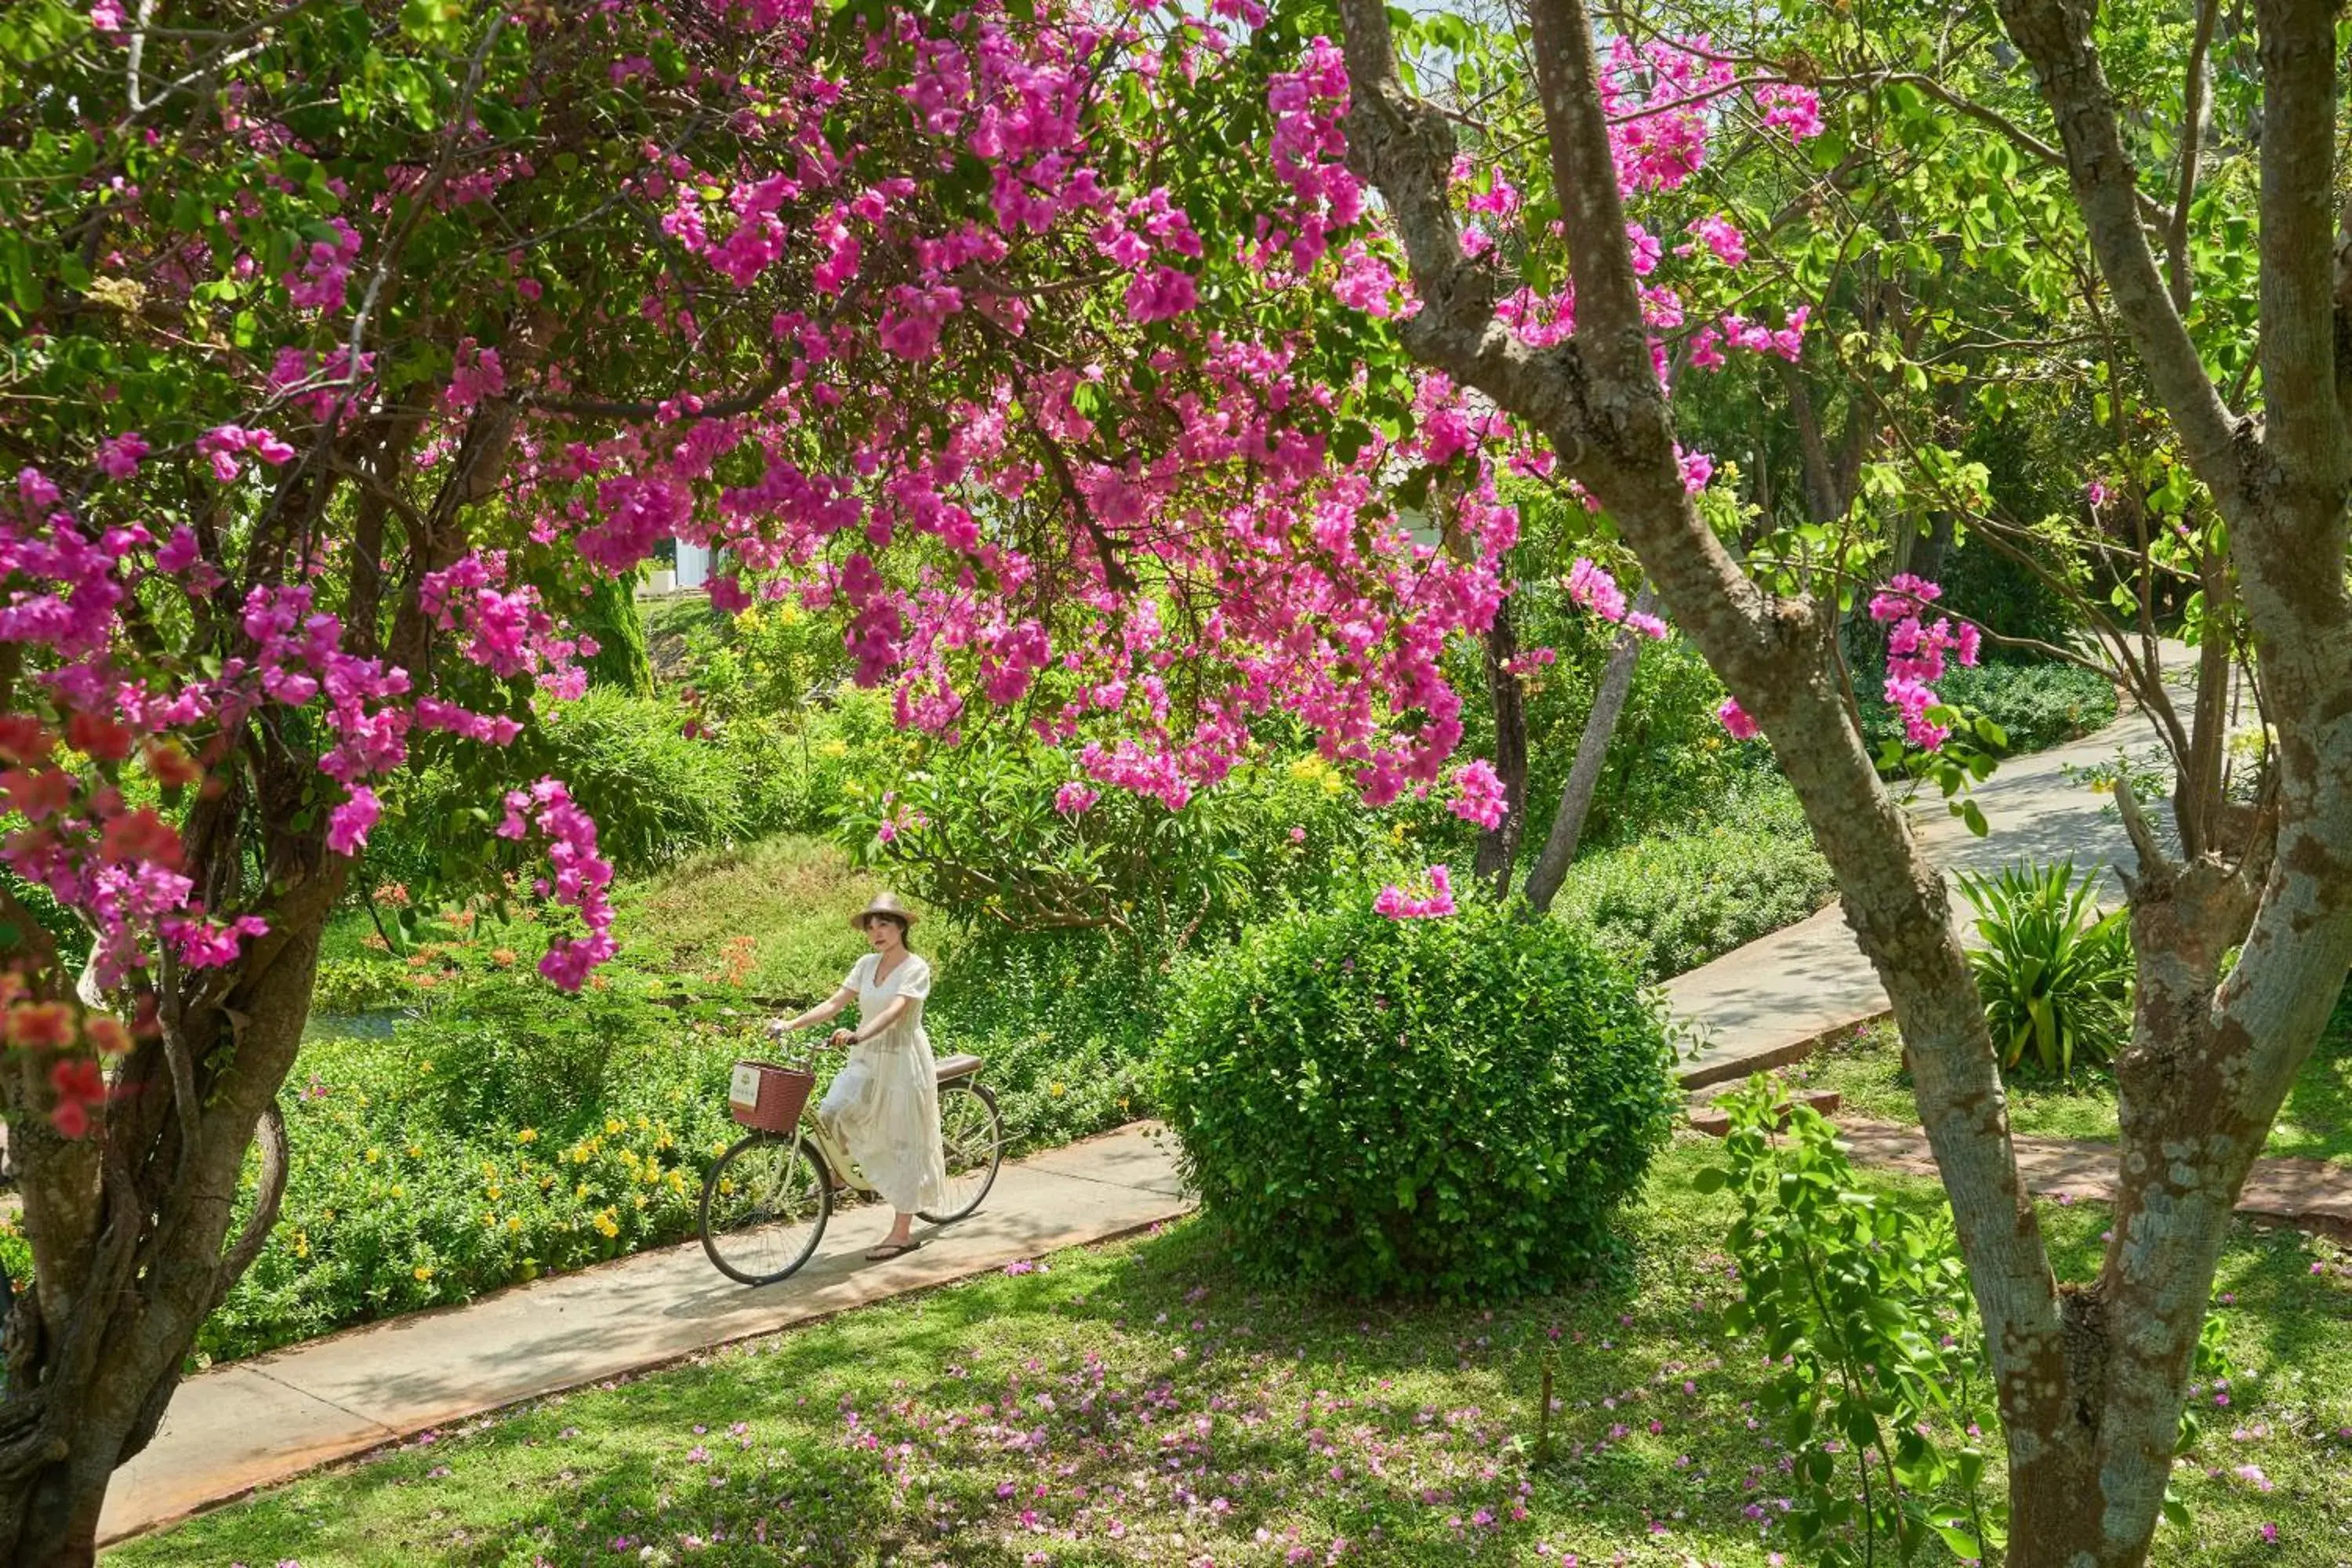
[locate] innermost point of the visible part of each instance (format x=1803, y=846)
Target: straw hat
x=885, y=903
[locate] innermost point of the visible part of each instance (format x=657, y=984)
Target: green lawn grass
x=1129, y=1404
x=2316, y=1123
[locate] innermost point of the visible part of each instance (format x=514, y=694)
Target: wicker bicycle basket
x=767, y=1098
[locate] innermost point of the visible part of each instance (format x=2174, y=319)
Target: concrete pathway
x=2310, y=1195
x=1766, y=1004
x=257, y=1422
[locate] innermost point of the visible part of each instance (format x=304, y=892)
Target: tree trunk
x=95, y=1349
x=1498, y=847
x=1592, y=753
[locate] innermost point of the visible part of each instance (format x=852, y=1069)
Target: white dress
x=884, y=1104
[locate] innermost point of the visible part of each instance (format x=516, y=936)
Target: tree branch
x=2055, y=35
x=2192, y=140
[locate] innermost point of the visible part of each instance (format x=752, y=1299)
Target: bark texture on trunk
x=1498, y=847
x=2089, y=1380
x=1591, y=755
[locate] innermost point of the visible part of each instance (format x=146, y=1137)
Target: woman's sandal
x=891, y=1249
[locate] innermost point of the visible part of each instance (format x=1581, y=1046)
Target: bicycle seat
x=964, y=1064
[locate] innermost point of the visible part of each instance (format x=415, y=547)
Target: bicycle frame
x=838, y=1168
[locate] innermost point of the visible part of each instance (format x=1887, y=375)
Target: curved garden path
x=1769, y=1003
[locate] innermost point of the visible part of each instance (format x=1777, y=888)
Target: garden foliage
x=1449, y=1107
x=2055, y=971
x=1878, y=1388
x=1671, y=901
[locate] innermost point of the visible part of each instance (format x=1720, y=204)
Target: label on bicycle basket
x=744, y=1089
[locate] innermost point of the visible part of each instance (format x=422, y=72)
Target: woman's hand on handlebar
x=841, y=1039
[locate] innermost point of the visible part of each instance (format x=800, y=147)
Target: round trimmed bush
x=1447, y=1107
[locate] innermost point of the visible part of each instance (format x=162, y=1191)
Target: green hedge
x=1666, y=904
x=1449, y=1107
x=2040, y=705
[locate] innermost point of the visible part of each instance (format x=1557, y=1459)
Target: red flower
x=142, y=835
x=95, y=737
x=80, y=1086
x=24, y=738
x=37, y=794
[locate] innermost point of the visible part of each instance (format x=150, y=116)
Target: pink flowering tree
x=2242, y=939
x=357, y=351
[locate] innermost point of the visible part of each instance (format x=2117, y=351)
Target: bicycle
x=766, y=1201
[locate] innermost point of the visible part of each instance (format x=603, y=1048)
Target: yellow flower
x=494, y=1192
x=1056, y=1090
x=528, y=1135
x=414, y=1153
x=514, y=1224
x=580, y=1191
x=301, y=1245
x=609, y=1224
x=833, y=749
x=423, y=1271
x=397, y=1191
x=614, y=1126
x=373, y=1155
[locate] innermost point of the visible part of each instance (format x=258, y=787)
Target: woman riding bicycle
x=885, y=1105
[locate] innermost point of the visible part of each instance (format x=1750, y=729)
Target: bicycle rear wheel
x=764, y=1206
x=971, y=1135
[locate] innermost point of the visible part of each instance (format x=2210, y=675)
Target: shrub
x=984, y=833
x=1670, y=903
x=657, y=796
x=2054, y=974
x=2036, y=705
x=1452, y=1106
x=463, y=1153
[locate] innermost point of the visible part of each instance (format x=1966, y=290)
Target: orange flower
x=36, y=1024
x=108, y=1034
x=171, y=765
x=503, y=957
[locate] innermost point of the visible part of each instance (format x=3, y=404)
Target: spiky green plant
x=2055, y=971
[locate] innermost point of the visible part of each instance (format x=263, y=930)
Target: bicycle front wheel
x=764, y=1206
x=971, y=1136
